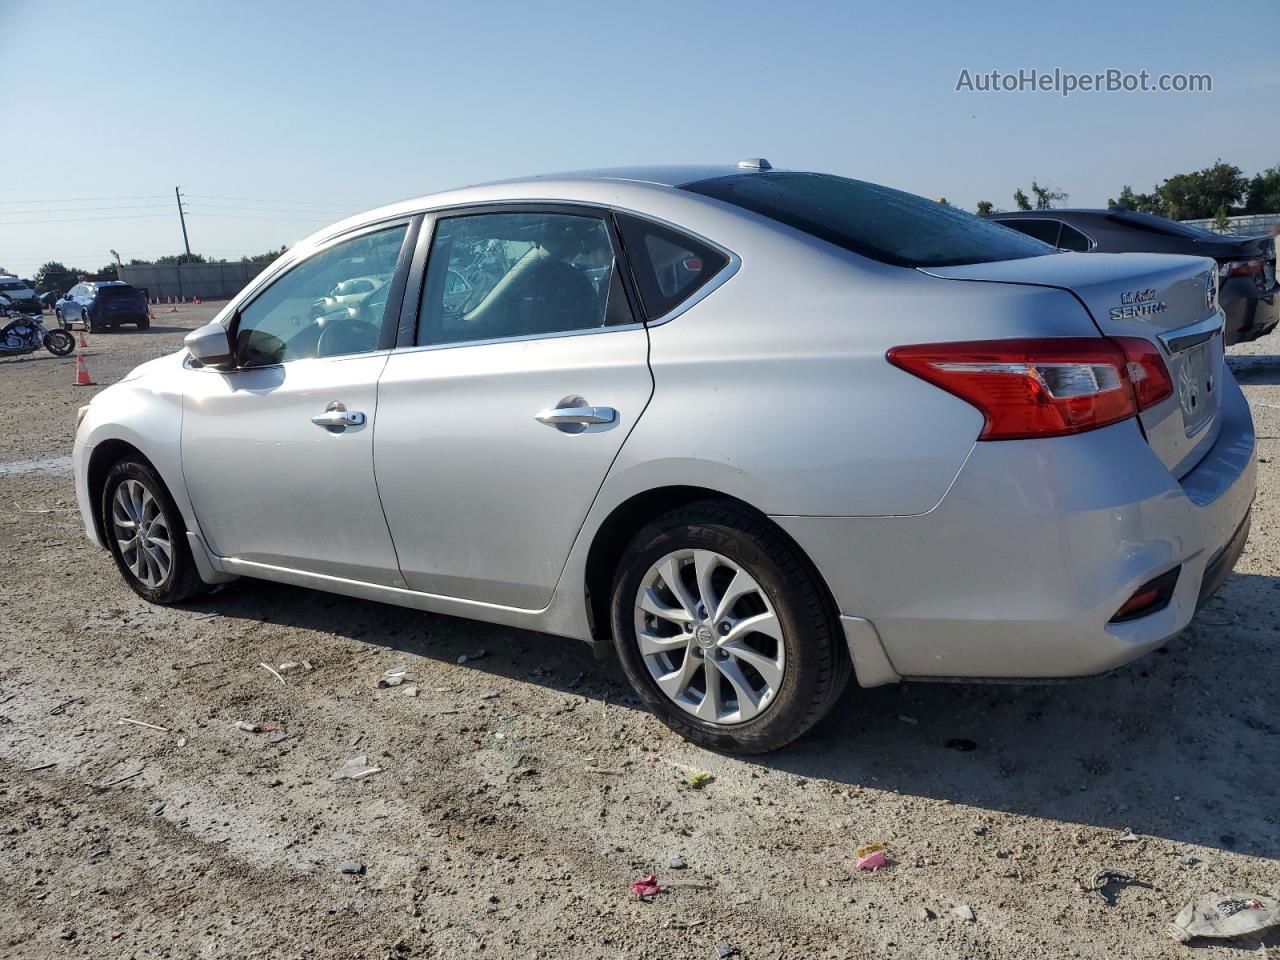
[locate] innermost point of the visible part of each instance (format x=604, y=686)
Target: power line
x=241, y=216
x=150, y=196
x=323, y=203
x=135, y=216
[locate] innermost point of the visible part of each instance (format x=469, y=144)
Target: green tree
x=1141, y=202
x=986, y=208
x=1221, y=221
x=1020, y=200
x=1198, y=195
x=266, y=257
x=109, y=272
x=1264, y=192
x=1046, y=197
x=180, y=258
x=56, y=276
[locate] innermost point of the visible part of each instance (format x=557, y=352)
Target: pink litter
x=872, y=860
x=648, y=887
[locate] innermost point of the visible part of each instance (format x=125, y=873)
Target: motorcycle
x=20, y=333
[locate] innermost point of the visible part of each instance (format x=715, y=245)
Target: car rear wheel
x=146, y=535
x=144, y=324
x=724, y=630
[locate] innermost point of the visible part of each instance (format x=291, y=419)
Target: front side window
x=298, y=316
x=500, y=275
x=877, y=222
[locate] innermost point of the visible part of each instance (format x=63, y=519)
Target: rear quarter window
x=668, y=266
x=877, y=222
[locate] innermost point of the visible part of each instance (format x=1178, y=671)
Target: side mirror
x=210, y=346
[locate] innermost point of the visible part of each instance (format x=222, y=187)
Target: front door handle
x=337, y=415
x=557, y=416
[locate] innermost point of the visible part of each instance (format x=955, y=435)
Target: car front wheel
x=724, y=630
x=147, y=536
x=86, y=322
x=58, y=316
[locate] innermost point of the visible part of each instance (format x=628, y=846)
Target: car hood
x=160, y=366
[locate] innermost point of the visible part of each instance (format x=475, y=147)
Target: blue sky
x=305, y=112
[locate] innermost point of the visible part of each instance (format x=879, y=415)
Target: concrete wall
x=208, y=281
x=1254, y=225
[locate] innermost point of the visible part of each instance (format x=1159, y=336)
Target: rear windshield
x=1168, y=228
x=12, y=285
x=109, y=292
x=877, y=222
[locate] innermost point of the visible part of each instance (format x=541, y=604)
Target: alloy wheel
x=709, y=636
x=141, y=532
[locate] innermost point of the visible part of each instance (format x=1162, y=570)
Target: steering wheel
x=346, y=335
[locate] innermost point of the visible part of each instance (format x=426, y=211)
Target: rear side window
x=1073, y=239
x=877, y=222
x=495, y=276
x=669, y=266
x=1046, y=230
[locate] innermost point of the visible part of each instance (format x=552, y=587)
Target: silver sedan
x=753, y=430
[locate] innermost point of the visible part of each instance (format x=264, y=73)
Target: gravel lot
x=523, y=791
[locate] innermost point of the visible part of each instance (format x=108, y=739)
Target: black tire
x=87, y=321
x=144, y=323
x=817, y=660
x=182, y=581
x=59, y=342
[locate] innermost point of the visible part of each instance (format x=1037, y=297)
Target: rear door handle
x=556, y=416
x=337, y=415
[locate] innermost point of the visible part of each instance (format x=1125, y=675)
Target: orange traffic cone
x=151, y=314
x=195, y=299
x=83, y=343
x=82, y=372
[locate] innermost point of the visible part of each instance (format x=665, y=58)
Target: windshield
x=112, y=292
x=877, y=222
x=1169, y=228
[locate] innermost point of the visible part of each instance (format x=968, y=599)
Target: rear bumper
x=1017, y=573
x=1250, y=312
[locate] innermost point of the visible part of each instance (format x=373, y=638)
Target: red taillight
x=1044, y=388
x=1146, y=369
x=1239, y=268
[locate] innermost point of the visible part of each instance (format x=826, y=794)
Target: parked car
x=20, y=295
x=102, y=305
x=810, y=426
x=1246, y=265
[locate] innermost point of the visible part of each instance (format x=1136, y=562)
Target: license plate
x=1197, y=386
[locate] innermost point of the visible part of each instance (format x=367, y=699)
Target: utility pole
x=177, y=192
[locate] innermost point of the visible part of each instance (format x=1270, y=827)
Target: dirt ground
x=523, y=791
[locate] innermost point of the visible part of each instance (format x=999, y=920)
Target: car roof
x=1058, y=212
x=622, y=185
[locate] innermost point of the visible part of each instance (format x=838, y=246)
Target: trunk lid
x=1167, y=300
